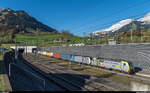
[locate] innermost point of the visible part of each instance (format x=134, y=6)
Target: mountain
x=16, y=22
x=126, y=25
x=119, y=25
x=20, y=21
x=145, y=19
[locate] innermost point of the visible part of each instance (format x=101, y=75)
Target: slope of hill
x=14, y=22
x=21, y=21
x=47, y=39
x=18, y=24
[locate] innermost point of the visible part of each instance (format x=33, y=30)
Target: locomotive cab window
x=124, y=64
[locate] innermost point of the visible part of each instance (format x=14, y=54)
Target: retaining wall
x=138, y=54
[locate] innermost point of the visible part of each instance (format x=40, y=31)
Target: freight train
x=111, y=64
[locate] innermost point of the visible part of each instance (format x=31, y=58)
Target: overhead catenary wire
x=114, y=13
x=112, y=22
x=107, y=16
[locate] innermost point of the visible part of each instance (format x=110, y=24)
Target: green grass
x=47, y=39
x=31, y=40
x=7, y=45
x=135, y=40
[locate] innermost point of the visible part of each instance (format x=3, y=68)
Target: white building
x=82, y=44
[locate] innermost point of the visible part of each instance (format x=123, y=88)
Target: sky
x=79, y=16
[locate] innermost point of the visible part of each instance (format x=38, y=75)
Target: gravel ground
x=92, y=77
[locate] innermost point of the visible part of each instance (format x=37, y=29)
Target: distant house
x=81, y=44
x=145, y=34
x=61, y=40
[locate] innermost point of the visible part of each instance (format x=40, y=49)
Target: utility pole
x=131, y=35
x=141, y=35
x=37, y=56
x=0, y=50
x=16, y=49
x=26, y=47
x=84, y=34
x=106, y=38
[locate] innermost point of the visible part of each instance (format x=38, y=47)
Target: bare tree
x=1, y=9
x=66, y=32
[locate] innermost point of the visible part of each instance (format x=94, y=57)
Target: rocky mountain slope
x=21, y=21
x=14, y=22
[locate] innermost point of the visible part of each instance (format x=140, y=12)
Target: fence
x=22, y=79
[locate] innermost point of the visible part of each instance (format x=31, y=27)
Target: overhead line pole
x=131, y=35
x=16, y=48
x=141, y=35
x=26, y=47
x=37, y=56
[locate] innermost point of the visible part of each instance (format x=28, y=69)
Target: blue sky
x=79, y=16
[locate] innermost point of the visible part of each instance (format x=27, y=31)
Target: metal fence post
x=26, y=48
x=44, y=84
x=9, y=69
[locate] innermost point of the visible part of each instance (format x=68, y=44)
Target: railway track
x=137, y=77
x=72, y=79
x=50, y=76
x=93, y=83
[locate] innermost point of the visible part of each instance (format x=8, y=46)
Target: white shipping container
x=44, y=53
x=86, y=60
x=78, y=59
x=94, y=62
x=51, y=53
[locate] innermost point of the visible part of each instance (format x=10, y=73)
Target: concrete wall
x=138, y=54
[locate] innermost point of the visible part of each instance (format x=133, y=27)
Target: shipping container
x=51, y=54
x=86, y=60
x=39, y=52
x=44, y=53
x=47, y=53
x=56, y=55
x=101, y=64
x=78, y=59
x=65, y=56
x=94, y=61
x=73, y=58
x=98, y=62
